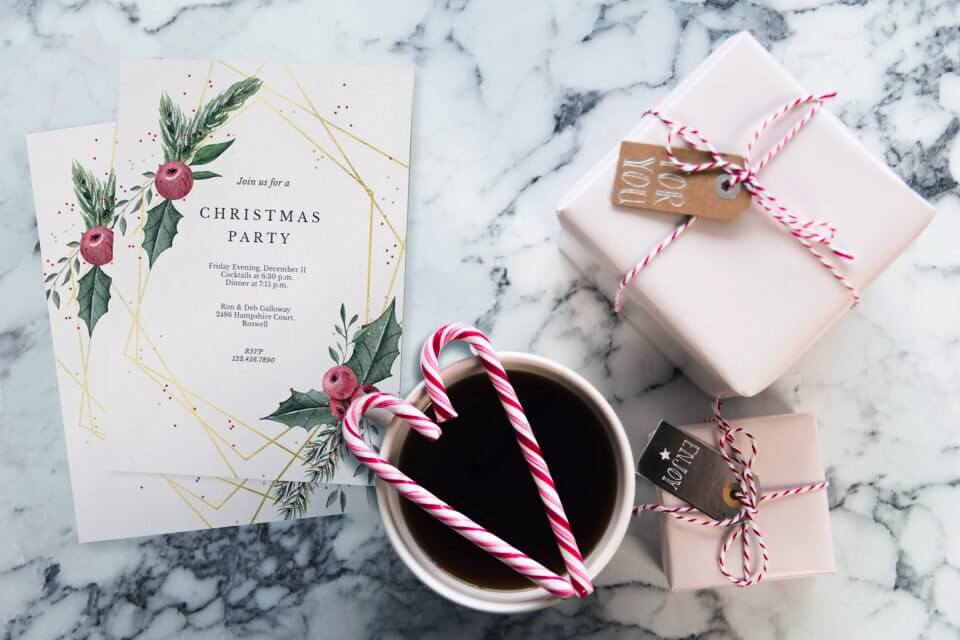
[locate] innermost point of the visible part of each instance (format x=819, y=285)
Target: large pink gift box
x=735, y=304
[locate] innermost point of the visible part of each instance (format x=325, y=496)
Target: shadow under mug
x=516, y=600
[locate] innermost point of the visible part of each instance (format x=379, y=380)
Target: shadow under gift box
x=735, y=304
x=796, y=529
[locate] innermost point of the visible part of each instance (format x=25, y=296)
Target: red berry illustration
x=96, y=246
x=174, y=180
x=340, y=382
x=363, y=390
x=338, y=408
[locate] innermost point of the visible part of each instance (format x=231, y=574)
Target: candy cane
x=481, y=347
x=408, y=488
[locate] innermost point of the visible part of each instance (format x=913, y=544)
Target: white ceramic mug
x=516, y=600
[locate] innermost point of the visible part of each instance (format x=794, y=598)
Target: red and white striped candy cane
x=409, y=489
x=743, y=525
x=481, y=347
x=807, y=232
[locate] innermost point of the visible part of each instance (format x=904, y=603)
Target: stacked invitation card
x=237, y=234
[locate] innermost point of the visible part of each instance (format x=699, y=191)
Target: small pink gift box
x=735, y=304
x=796, y=529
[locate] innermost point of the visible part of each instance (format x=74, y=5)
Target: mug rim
x=514, y=600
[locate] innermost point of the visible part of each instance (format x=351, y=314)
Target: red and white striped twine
x=807, y=232
x=481, y=347
x=743, y=526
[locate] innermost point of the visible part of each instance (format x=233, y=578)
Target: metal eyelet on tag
x=722, y=191
x=730, y=495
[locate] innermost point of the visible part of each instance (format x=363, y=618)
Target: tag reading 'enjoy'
x=691, y=470
x=646, y=179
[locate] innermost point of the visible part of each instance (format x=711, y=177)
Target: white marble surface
x=514, y=101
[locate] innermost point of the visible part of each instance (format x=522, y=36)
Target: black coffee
x=476, y=466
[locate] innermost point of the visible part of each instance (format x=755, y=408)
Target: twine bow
x=807, y=232
x=743, y=526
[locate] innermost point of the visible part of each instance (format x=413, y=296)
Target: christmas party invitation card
x=89, y=263
x=239, y=273
x=266, y=209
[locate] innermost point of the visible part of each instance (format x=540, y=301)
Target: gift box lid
x=744, y=297
x=796, y=529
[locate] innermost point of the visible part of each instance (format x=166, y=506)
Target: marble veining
x=514, y=102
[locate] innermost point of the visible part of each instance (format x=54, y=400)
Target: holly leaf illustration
x=160, y=229
x=375, y=347
x=209, y=153
x=304, y=409
x=93, y=297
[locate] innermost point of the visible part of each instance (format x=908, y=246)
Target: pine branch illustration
x=96, y=198
x=322, y=456
x=108, y=199
x=174, y=129
x=87, y=190
x=215, y=112
x=292, y=498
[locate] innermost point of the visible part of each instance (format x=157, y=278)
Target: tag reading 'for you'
x=646, y=179
x=691, y=470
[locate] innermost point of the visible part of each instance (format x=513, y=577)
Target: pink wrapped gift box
x=796, y=529
x=735, y=304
